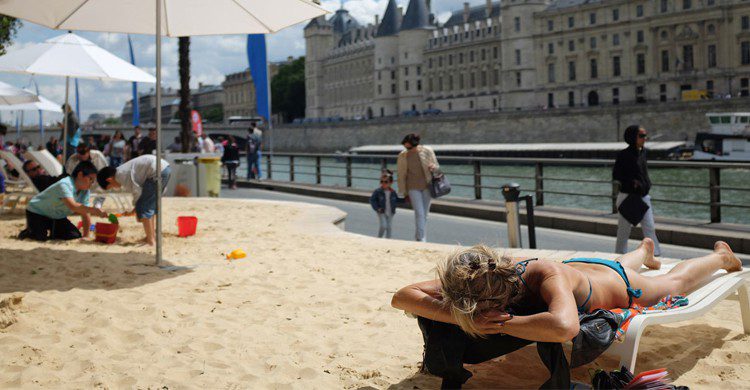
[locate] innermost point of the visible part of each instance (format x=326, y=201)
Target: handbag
x=440, y=185
x=597, y=332
x=633, y=208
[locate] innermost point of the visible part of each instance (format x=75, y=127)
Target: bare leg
x=643, y=255
x=687, y=275
x=148, y=227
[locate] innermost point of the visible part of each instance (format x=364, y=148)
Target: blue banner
x=136, y=111
x=257, y=58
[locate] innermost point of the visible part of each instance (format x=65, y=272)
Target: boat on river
x=728, y=139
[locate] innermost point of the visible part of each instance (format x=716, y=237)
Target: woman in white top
x=116, y=149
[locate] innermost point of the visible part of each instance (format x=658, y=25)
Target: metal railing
x=345, y=162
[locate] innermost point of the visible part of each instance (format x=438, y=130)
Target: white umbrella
x=174, y=18
x=69, y=55
x=10, y=95
x=43, y=104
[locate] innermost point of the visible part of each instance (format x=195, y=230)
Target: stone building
x=147, y=106
x=239, y=91
x=523, y=54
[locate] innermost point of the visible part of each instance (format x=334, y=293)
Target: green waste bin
x=209, y=176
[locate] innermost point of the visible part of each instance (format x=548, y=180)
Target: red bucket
x=106, y=232
x=186, y=226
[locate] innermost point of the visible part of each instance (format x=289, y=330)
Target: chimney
x=429, y=5
x=466, y=12
x=489, y=8
x=377, y=20
x=400, y=13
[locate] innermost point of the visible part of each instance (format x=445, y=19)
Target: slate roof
x=417, y=16
x=343, y=22
x=391, y=23
x=560, y=4
x=476, y=13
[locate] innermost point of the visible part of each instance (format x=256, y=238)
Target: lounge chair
x=700, y=302
x=15, y=190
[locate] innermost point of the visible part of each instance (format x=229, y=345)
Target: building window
x=419, y=70
x=710, y=2
x=518, y=57
x=710, y=88
x=551, y=73
x=472, y=80
x=382, y=110
x=550, y=25
x=550, y=100
x=406, y=69
x=380, y=88
x=640, y=63
x=745, y=22
x=461, y=58
x=615, y=95
x=711, y=29
x=687, y=4
x=497, y=77
x=571, y=45
x=471, y=104
x=379, y=75
x=663, y=6
x=665, y=60
x=639, y=36
x=571, y=22
x=517, y=23
x=430, y=85
x=639, y=94
x=594, y=69
x=393, y=75
x=615, y=39
x=406, y=85
x=450, y=59
x=440, y=62
x=711, y=56
x=615, y=14
x=571, y=99
x=745, y=53
x=744, y=82
x=450, y=106
x=429, y=63
x=450, y=82
x=484, y=78
x=550, y=48
x=639, y=10
x=592, y=18
x=494, y=52
x=687, y=57
x=484, y=54
x=518, y=79
x=393, y=88
x=571, y=71
x=461, y=81
x=662, y=92
x=616, y=71
x=471, y=55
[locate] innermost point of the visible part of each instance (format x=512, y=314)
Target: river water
x=366, y=177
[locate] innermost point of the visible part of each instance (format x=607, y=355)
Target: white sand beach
x=308, y=308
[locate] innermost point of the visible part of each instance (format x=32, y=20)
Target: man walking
x=632, y=172
x=254, y=141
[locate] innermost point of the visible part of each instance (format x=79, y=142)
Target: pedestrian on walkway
x=254, y=141
x=231, y=159
x=631, y=171
x=415, y=167
x=134, y=143
x=383, y=200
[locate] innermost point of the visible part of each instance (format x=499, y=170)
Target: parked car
x=410, y=113
x=432, y=111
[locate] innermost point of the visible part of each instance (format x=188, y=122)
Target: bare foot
x=650, y=262
x=146, y=241
x=731, y=262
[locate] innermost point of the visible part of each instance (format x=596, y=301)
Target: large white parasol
x=173, y=18
x=10, y=95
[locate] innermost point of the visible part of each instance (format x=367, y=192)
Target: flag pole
x=158, y=133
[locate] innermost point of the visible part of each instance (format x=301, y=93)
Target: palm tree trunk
x=186, y=135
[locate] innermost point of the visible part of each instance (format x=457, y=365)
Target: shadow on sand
x=523, y=369
x=42, y=269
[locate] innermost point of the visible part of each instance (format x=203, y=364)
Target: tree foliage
x=288, y=90
x=8, y=28
x=213, y=114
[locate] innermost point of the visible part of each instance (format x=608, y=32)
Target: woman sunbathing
x=538, y=300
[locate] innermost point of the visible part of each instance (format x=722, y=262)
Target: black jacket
x=631, y=171
x=231, y=153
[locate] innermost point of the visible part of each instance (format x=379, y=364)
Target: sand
x=308, y=308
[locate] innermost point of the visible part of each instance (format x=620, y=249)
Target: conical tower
x=386, y=62
x=415, y=31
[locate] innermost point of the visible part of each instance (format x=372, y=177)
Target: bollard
x=511, y=192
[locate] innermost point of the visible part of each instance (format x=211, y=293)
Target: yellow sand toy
x=236, y=254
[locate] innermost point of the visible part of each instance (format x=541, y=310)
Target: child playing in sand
x=47, y=212
x=383, y=201
x=139, y=176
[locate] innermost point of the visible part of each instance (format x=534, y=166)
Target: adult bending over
x=139, y=177
x=47, y=212
x=483, y=305
x=415, y=166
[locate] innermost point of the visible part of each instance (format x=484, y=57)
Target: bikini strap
x=521, y=268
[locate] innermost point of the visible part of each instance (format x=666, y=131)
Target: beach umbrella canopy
x=70, y=55
x=43, y=104
x=10, y=95
x=179, y=18
x=173, y=18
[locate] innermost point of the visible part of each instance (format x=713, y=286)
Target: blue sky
x=211, y=57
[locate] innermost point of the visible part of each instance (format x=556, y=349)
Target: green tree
x=288, y=90
x=8, y=28
x=214, y=114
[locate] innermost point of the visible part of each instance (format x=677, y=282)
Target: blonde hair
x=470, y=277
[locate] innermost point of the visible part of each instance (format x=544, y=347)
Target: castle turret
x=386, y=62
x=318, y=41
x=415, y=32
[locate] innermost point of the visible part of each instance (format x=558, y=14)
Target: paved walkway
x=448, y=229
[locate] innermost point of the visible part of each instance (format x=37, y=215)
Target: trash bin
x=209, y=176
x=184, y=180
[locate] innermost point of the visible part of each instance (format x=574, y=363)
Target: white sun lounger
x=700, y=302
x=15, y=189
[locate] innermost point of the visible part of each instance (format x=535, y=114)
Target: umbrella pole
x=158, y=133
x=65, y=124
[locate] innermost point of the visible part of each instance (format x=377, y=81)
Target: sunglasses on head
x=385, y=181
x=642, y=135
